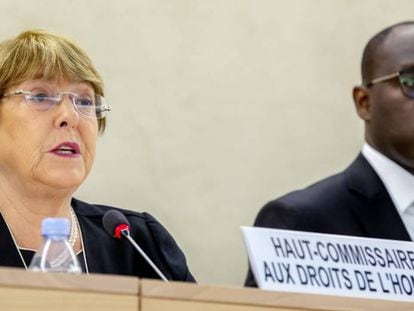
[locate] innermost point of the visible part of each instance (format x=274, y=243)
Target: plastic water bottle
x=56, y=254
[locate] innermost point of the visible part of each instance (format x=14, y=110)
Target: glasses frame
x=391, y=76
x=384, y=78
x=58, y=99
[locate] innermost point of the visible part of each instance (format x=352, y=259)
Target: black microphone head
x=113, y=221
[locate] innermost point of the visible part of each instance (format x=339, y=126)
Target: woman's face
x=54, y=147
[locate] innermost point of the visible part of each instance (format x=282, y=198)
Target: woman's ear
x=362, y=102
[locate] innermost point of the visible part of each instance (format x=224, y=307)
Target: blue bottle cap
x=55, y=226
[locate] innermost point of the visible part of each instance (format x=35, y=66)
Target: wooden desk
x=22, y=290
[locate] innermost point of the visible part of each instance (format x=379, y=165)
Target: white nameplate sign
x=296, y=261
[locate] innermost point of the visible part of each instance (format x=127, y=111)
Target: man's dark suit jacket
x=105, y=254
x=354, y=202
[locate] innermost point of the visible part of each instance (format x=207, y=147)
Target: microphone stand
x=125, y=233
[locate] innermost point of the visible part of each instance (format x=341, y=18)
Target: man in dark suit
x=374, y=196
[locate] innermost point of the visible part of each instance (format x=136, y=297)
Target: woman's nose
x=67, y=115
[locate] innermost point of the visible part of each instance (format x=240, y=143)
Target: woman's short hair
x=39, y=54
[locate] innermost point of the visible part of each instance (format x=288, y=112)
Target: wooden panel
x=157, y=304
x=225, y=298
x=25, y=290
x=101, y=283
x=43, y=300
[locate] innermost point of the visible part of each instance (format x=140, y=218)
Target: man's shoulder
x=319, y=205
x=321, y=192
x=333, y=190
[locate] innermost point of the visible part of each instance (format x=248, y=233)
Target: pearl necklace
x=73, y=228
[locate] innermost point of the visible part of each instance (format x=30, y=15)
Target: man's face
x=390, y=119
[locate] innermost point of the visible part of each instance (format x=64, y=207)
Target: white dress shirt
x=398, y=182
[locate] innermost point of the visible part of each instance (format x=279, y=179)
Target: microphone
x=117, y=225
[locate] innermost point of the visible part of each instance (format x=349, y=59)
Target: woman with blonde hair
x=51, y=111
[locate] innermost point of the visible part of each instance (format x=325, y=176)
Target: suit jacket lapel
x=9, y=255
x=376, y=211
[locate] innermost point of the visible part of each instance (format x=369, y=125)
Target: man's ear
x=362, y=102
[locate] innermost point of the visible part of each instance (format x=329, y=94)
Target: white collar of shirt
x=398, y=181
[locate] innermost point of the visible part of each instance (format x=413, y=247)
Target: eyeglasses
x=90, y=106
x=405, y=77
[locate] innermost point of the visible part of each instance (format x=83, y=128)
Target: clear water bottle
x=56, y=254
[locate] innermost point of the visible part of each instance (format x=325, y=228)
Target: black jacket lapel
x=376, y=211
x=9, y=255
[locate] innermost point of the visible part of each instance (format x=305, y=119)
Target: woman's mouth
x=66, y=149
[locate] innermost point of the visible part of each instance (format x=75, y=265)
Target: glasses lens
x=95, y=107
x=101, y=107
x=84, y=104
x=407, y=82
x=40, y=100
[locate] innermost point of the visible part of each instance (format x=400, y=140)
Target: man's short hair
x=369, y=56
